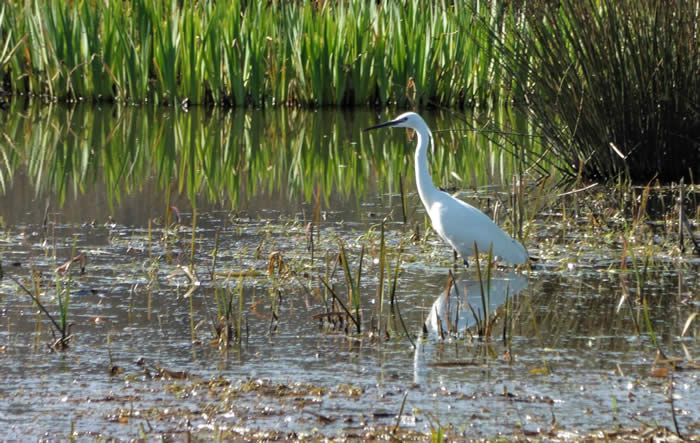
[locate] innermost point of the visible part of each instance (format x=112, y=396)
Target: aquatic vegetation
x=612, y=85
x=61, y=330
x=242, y=53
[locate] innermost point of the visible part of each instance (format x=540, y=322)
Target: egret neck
x=424, y=182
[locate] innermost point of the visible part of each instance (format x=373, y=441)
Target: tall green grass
x=246, y=53
x=613, y=85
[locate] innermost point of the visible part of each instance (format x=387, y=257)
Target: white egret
x=458, y=223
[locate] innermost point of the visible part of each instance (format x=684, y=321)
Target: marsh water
x=596, y=334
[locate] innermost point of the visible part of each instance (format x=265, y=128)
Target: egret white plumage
x=458, y=223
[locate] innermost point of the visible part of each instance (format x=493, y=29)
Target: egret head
x=405, y=120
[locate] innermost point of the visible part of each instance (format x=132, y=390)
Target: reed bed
x=246, y=53
x=612, y=86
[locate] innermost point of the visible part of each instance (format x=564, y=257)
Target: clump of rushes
x=61, y=326
x=612, y=85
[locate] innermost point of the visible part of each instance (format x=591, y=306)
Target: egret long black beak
x=386, y=124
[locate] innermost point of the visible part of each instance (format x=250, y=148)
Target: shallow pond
x=575, y=350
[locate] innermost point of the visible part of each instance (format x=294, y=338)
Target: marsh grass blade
x=380, y=277
x=62, y=342
x=394, y=301
x=351, y=284
x=647, y=320
x=340, y=302
x=398, y=417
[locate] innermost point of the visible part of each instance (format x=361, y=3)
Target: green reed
x=352, y=285
x=248, y=53
x=63, y=292
x=63, y=283
x=6, y=51
x=62, y=27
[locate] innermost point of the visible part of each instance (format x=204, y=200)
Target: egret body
x=458, y=223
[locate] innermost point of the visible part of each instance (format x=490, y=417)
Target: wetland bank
x=193, y=246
